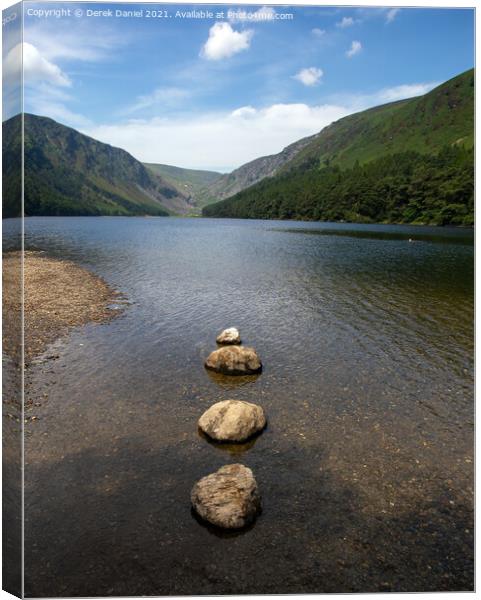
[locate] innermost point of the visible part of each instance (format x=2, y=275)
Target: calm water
x=366, y=465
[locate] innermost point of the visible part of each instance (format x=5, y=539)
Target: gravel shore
x=59, y=295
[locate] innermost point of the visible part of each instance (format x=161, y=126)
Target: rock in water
x=234, y=360
x=229, y=336
x=228, y=498
x=232, y=421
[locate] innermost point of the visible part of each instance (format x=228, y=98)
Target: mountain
x=444, y=116
x=408, y=161
x=192, y=183
x=68, y=173
x=12, y=168
x=254, y=171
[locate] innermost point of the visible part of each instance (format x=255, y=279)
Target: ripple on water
x=366, y=466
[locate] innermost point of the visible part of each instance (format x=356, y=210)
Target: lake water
x=366, y=467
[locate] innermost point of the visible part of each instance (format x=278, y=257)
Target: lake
x=366, y=466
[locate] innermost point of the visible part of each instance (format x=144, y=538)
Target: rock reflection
x=231, y=382
x=229, y=447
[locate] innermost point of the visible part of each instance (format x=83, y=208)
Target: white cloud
x=163, y=97
x=218, y=140
x=391, y=14
x=355, y=48
x=36, y=68
x=309, y=76
x=47, y=100
x=345, y=22
x=316, y=32
x=85, y=43
x=50, y=47
x=266, y=13
x=400, y=92
x=244, y=111
x=358, y=102
x=224, y=42
x=229, y=139
x=10, y=64
x=59, y=112
x=263, y=15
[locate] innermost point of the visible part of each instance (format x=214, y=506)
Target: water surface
x=366, y=465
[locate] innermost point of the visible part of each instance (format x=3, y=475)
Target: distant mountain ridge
x=68, y=173
x=379, y=164
x=192, y=183
x=255, y=170
x=323, y=176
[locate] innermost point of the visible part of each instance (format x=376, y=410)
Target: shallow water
x=366, y=465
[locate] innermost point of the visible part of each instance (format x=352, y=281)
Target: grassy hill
x=408, y=161
x=68, y=173
x=192, y=183
x=442, y=117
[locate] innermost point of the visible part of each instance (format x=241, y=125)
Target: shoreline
x=58, y=296
x=201, y=217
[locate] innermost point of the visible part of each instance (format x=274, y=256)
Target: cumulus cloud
x=44, y=56
x=391, y=14
x=229, y=139
x=224, y=42
x=11, y=63
x=218, y=140
x=36, y=68
x=309, y=76
x=316, y=32
x=355, y=48
x=345, y=22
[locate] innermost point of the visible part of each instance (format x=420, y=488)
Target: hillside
x=254, y=171
x=68, y=173
x=409, y=161
x=425, y=124
x=11, y=168
x=191, y=183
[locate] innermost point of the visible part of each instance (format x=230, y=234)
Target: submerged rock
x=232, y=421
x=234, y=360
x=228, y=498
x=229, y=336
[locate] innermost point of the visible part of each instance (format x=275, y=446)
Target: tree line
x=406, y=187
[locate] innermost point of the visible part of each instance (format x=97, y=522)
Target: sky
x=215, y=88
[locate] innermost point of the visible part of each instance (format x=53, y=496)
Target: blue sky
x=217, y=92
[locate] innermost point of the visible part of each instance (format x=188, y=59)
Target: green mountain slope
x=442, y=117
x=192, y=183
x=12, y=168
x=68, y=173
x=409, y=161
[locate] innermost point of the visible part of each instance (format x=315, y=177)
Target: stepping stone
x=234, y=360
x=229, y=336
x=232, y=421
x=228, y=498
